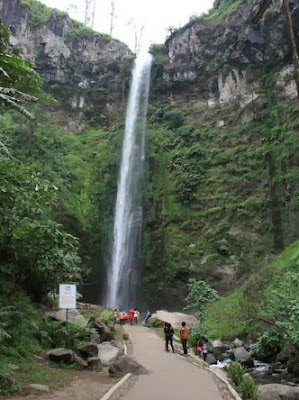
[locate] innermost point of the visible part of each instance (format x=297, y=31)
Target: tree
x=17, y=78
x=200, y=296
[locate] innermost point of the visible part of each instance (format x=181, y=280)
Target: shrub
x=174, y=118
x=125, y=336
x=248, y=388
x=106, y=315
x=235, y=372
x=268, y=346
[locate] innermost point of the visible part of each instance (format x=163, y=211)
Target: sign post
x=67, y=297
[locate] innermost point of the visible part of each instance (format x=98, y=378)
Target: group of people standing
x=132, y=316
x=201, y=345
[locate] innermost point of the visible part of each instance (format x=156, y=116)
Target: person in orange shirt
x=184, y=337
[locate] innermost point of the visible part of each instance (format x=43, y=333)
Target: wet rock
x=276, y=366
x=88, y=349
x=291, y=365
x=243, y=356
x=211, y=359
x=278, y=392
x=126, y=364
x=218, y=355
x=283, y=357
x=108, y=353
x=219, y=345
x=296, y=371
x=34, y=387
x=94, y=363
x=61, y=355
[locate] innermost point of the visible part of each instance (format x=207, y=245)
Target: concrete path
x=170, y=377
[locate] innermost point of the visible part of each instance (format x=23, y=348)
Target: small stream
x=261, y=372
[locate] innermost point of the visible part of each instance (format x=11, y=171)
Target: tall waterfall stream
x=124, y=268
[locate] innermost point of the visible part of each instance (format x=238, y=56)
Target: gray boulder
x=13, y=367
x=211, y=359
x=126, y=364
x=104, y=331
x=243, y=356
x=296, y=371
x=218, y=355
x=283, y=357
x=219, y=345
x=88, y=349
x=61, y=355
x=94, y=363
x=95, y=338
x=238, y=343
x=278, y=392
x=108, y=353
x=34, y=387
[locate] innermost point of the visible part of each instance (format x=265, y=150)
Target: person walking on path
x=184, y=337
x=115, y=316
x=131, y=315
x=136, y=315
x=169, y=332
x=205, y=351
x=147, y=317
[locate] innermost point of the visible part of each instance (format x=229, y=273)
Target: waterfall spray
x=124, y=271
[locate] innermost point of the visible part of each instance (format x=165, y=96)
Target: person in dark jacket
x=169, y=332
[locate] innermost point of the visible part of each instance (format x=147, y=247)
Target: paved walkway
x=171, y=377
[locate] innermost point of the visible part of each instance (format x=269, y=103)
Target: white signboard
x=67, y=296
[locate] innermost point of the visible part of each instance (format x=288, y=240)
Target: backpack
x=169, y=331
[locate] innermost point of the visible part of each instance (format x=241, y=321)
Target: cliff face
x=219, y=57
x=90, y=66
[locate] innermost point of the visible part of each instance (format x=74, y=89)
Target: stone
x=120, y=345
x=275, y=366
x=218, y=355
x=79, y=360
x=211, y=359
x=278, y=392
x=282, y=357
x=243, y=356
x=291, y=365
x=94, y=363
x=95, y=338
x=296, y=371
x=108, y=353
x=126, y=364
x=73, y=316
x=219, y=345
x=13, y=367
x=88, y=349
x=223, y=250
x=61, y=355
x=103, y=330
x=34, y=387
x=238, y=343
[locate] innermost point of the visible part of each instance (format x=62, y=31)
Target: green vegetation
x=243, y=383
x=39, y=13
x=200, y=296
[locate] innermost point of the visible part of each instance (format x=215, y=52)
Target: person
x=115, y=315
x=199, y=345
x=122, y=318
x=169, y=332
x=205, y=351
x=136, y=315
x=184, y=336
x=131, y=316
x=147, y=317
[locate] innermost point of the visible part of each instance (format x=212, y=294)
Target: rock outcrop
x=90, y=65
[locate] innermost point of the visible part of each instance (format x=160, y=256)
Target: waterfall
x=124, y=271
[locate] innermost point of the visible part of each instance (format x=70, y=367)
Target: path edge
x=226, y=382
x=114, y=388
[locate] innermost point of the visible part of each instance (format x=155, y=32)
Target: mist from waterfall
x=124, y=269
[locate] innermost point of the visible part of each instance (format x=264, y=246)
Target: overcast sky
x=155, y=15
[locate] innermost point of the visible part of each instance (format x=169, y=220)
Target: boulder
x=126, y=364
x=13, y=367
x=211, y=359
x=34, y=387
x=118, y=344
x=276, y=366
x=61, y=355
x=243, y=356
x=218, y=355
x=95, y=338
x=80, y=361
x=278, y=392
x=103, y=330
x=238, y=343
x=291, y=365
x=108, y=353
x=296, y=371
x=88, y=349
x=94, y=363
x=219, y=345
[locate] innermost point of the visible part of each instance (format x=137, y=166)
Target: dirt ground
x=86, y=385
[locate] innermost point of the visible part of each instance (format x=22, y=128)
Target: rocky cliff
x=85, y=70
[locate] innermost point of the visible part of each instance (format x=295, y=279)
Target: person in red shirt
x=184, y=337
x=131, y=315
